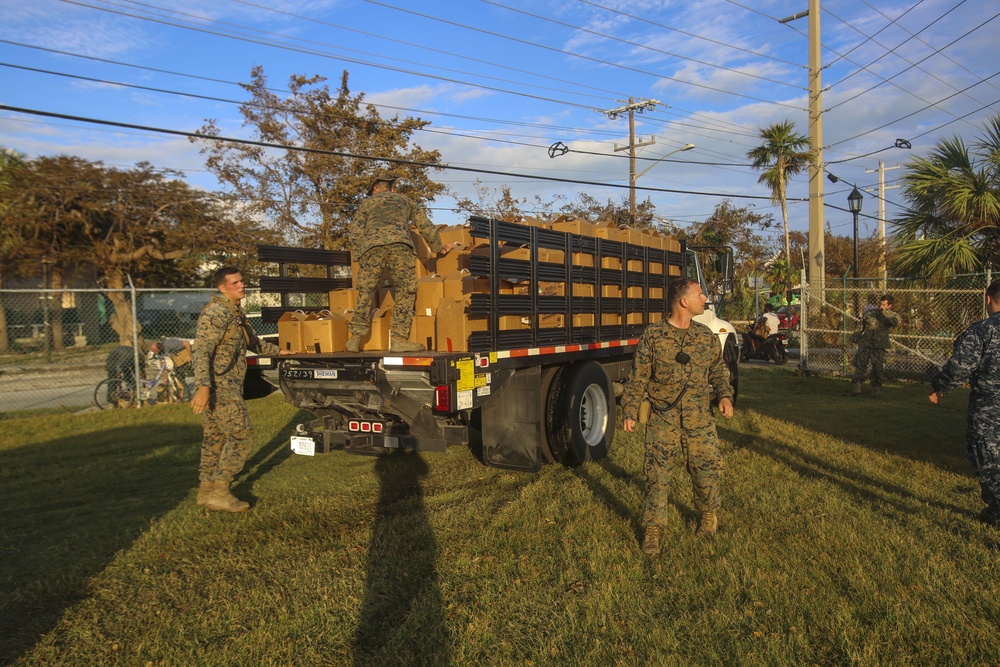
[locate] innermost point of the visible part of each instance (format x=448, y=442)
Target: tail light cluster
x=442, y=398
x=362, y=426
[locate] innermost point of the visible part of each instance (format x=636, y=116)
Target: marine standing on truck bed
x=380, y=239
x=677, y=363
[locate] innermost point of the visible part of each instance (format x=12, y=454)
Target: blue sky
x=502, y=80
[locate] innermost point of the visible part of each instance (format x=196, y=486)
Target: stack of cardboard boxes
x=445, y=285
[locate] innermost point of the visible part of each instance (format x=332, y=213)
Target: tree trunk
x=788, y=245
x=56, y=309
x=121, y=320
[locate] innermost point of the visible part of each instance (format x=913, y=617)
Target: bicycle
x=118, y=390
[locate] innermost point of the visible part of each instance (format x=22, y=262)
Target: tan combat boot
x=222, y=500
x=397, y=344
x=855, y=390
x=204, y=491
x=651, y=543
x=708, y=525
x=353, y=343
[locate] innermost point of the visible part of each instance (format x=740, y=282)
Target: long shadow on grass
x=901, y=421
x=860, y=486
x=69, y=506
x=402, y=616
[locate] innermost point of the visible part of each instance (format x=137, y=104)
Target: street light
x=633, y=177
x=854, y=204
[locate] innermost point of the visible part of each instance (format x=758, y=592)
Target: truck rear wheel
x=579, y=414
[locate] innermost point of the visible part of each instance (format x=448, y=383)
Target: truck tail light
x=442, y=398
x=361, y=426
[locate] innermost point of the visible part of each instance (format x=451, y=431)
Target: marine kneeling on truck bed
x=529, y=329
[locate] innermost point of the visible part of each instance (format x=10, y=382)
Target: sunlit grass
x=848, y=537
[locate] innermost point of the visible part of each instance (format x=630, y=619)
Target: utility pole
x=817, y=242
x=632, y=107
x=881, y=216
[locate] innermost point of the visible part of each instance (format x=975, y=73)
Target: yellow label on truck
x=466, y=375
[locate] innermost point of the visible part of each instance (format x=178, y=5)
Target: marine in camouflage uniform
x=874, y=344
x=380, y=241
x=976, y=358
x=680, y=420
x=219, y=358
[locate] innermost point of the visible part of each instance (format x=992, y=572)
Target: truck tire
x=731, y=357
x=580, y=414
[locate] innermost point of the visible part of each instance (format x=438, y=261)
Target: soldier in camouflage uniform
x=222, y=340
x=380, y=240
x=976, y=359
x=677, y=363
x=874, y=344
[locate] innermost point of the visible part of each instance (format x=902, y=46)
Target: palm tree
x=784, y=153
x=952, y=224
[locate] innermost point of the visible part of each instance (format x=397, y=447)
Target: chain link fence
x=930, y=320
x=55, y=345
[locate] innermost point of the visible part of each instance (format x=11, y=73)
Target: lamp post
x=633, y=177
x=854, y=204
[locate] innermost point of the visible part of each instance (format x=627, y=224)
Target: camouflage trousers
x=399, y=261
x=228, y=438
x=864, y=357
x=982, y=447
x=665, y=442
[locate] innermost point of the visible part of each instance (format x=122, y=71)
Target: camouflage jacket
x=876, y=324
x=657, y=374
x=220, y=361
x=975, y=358
x=385, y=218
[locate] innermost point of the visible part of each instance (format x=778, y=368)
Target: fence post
x=843, y=281
x=803, y=325
x=135, y=343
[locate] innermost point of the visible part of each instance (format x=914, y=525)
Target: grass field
x=847, y=537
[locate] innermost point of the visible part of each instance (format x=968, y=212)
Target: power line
x=575, y=55
x=690, y=34
x=637, y=45
x=370, y=158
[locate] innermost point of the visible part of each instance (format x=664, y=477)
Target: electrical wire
x=370, y=158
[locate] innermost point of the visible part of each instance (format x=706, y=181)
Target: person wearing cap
x=379, y=238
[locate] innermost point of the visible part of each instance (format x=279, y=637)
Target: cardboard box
x=461, y=234
x=551, y=321
x=378, y=334
x=581, y=227
x=581, y=289
x=457, y=259
x=290, y=331
x=430, y=292
x=423, y=331
x=460, y=284
x=325, y=332
x=583, y=320
x=611, y=291
x=454, y=326
x=385, y=297
x=420, y=245
x=343, y=299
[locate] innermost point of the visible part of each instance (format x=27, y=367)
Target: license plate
x=303, y=445
x=309, y=374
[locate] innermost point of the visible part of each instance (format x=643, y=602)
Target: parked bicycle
x=118, y=390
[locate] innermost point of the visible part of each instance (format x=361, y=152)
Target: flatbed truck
x=529, y=396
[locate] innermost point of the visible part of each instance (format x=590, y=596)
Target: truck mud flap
x=512, y=422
